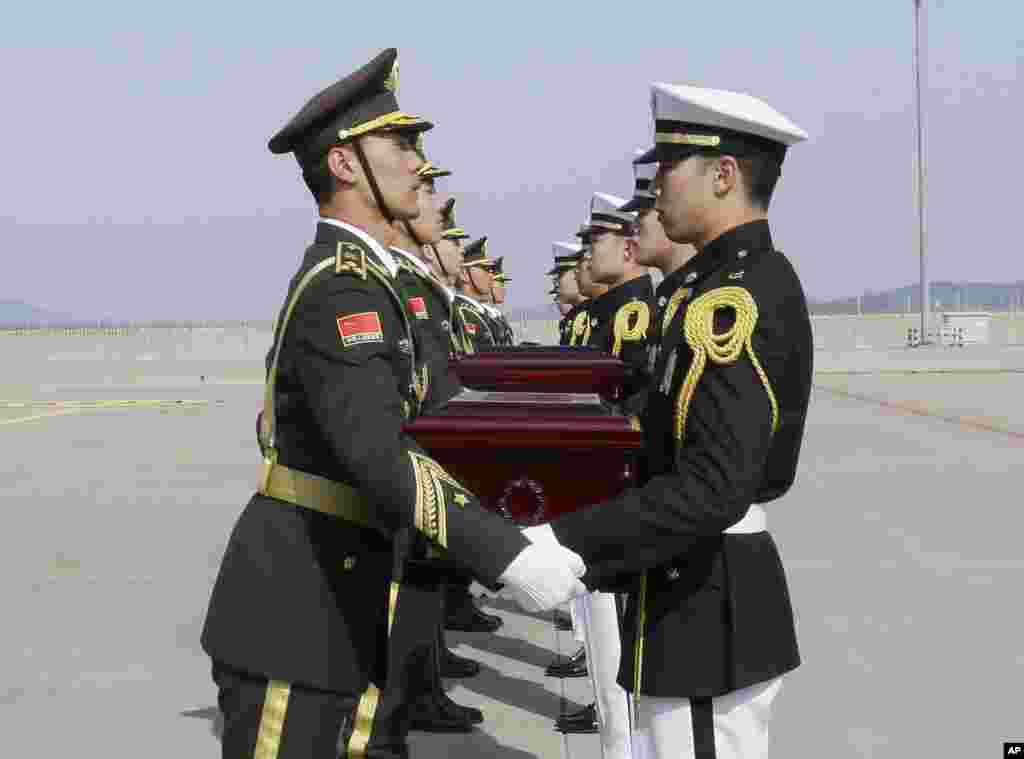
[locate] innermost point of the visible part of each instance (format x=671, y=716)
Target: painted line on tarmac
x=66, y=408
x=916, y=408
x=906, y=372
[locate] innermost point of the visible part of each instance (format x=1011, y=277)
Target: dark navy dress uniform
x=716, y=614
x=620, y=323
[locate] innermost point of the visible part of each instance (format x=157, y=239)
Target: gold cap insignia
x=391, y=83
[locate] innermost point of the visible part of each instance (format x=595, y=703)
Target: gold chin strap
x=621, y=328
x=722, y=348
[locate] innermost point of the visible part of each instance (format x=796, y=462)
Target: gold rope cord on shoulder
x=673, y=305
x=362, y=725
x=621, y=328
x=392, y=604
x=580, y=329
x=275, y=708
x=722, y=348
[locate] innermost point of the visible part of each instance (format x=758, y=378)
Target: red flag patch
x=356, y=329
x=470, y=328
x=418, y=307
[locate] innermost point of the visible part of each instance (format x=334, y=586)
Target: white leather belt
x=755, y=520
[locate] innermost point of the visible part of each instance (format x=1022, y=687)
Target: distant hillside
x=18, y=312
x=945, y=295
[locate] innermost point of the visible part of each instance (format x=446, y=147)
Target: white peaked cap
x=566, y=248
x=694, y=118
x=605, y=213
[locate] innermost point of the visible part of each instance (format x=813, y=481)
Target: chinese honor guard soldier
x=504, y=334
x=308, y=589
x=709, y=629
x=475, y=287
x=447, y=252
x=418, y=677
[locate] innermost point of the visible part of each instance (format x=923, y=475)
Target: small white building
x=974, y=326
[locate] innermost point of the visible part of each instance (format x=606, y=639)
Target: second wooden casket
x=550, y=369
x=532, y=456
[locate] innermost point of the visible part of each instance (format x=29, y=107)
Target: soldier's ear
x=343, y=165
x=725, y=175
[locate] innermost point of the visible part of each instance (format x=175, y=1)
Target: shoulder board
x=350, y=258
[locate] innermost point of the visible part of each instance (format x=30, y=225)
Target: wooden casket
x=531, y=456
x=548, y=369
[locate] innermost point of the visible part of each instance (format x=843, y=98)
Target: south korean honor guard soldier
x=566, y=291
x=655, y=250
x=709, y=631
x=621, y=317
x=299, y=619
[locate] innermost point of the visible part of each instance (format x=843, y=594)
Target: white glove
x=540, y=533
x=543, y=576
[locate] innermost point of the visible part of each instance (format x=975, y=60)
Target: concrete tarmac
x=120, y=483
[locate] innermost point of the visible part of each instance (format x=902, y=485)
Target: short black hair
x=761, y=173
x=320, y=181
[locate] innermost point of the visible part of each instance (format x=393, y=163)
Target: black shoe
x=453, y=665
x=466, y=617
x=562, y=620
x=586, y=714
x=429, y=716
x=572, y=670
x=563, y=664
x=458, y=711
x=582, y=727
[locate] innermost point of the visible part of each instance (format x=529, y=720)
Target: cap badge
x=391, y=83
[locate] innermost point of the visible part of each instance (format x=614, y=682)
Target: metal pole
x=919, y=38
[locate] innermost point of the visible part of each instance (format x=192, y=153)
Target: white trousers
x=598, y=621
x=733, y=726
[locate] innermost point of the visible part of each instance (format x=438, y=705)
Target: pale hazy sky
x=138, y=183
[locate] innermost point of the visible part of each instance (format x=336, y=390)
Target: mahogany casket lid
x=532, y=456
x=550, y=369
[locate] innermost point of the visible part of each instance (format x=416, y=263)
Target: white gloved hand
x=540, y=533
x=543, y=576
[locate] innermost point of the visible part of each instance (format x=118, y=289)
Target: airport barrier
x=954, y=337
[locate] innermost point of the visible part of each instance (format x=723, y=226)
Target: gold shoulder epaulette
x=350, y=258
x=622, y=329
x=720, y=348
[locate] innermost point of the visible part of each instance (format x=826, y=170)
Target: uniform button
x=349, y=563
x=691, y=277
x=741, y=254
x=662, y=301
x=672, y=574
x=593, y=322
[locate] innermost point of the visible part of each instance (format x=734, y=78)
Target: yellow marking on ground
x=917, y=408
x=65, y=408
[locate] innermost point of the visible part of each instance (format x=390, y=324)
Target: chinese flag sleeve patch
x=418, y=307
x=356, y=329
